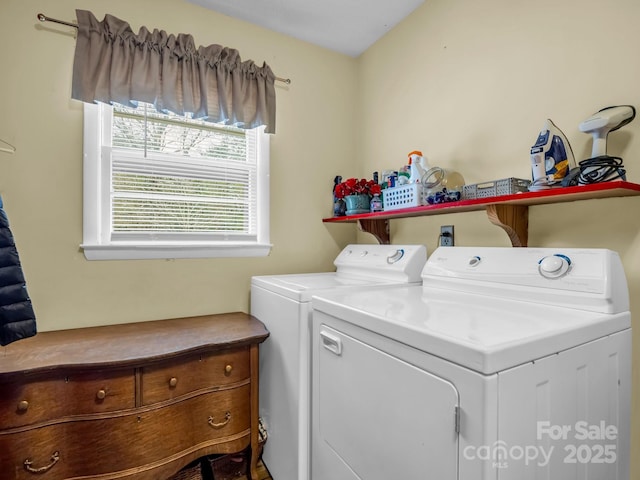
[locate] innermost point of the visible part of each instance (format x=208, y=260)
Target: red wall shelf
x=510, y=212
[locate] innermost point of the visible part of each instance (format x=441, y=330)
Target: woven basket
x=230, y=467
x=236, y=465
x=193, y=471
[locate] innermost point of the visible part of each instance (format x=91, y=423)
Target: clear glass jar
x=442, y=185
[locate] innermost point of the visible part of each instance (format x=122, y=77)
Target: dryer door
x=380, y=417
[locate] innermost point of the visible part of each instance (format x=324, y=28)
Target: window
x=166, y=186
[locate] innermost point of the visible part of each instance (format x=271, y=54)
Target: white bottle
x=418, y=165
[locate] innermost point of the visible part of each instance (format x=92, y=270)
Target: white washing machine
x=506, y=364
x=283, y=303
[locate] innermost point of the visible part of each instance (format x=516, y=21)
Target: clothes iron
x=551, y=158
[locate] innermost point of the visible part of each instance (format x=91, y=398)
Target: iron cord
x=603, y=168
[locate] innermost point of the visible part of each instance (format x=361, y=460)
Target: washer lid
x=301, y=287
x=357, y=266
x=485, y=334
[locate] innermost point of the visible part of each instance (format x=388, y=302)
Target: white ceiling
x=345, y=26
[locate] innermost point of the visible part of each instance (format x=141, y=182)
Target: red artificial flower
x=353, y=186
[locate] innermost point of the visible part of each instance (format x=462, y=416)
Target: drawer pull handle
x=101, y=394
x=227, y=417
x=54, y=459
x=331, y=343
x=23, y=406
x=173, y=382
x=228, y=369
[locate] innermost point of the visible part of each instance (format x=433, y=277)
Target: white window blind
x=174, y=179
x=171, y=175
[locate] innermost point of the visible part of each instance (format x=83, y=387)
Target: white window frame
x=98, y=243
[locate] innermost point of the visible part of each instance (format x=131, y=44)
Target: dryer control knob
x=396, y=256
x=554, y=266
x=474, y=261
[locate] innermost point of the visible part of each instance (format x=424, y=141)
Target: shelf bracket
x=513, y=219
x=379, y=228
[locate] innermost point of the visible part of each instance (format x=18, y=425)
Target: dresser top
x=131, y=343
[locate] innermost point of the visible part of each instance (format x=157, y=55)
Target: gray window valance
x=112, y=64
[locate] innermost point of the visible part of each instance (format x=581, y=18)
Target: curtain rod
x=43, y=18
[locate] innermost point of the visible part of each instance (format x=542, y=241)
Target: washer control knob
x=554, y=266
x=474, y=261
x=393, y=258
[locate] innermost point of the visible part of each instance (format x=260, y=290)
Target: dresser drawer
x=134, y=442
x=171, y=379
x=58, y=395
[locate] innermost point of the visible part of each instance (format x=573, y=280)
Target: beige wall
x=471, y=83
x=41, y=184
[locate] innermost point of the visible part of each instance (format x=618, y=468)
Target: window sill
x=140, y=251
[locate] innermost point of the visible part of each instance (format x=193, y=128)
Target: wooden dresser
x=134, y=401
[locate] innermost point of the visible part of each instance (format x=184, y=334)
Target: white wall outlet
x=446, y=236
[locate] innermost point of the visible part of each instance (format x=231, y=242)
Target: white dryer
x=283, y=303
x=506, y=364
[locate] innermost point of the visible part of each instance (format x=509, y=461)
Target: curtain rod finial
x=43, y=18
